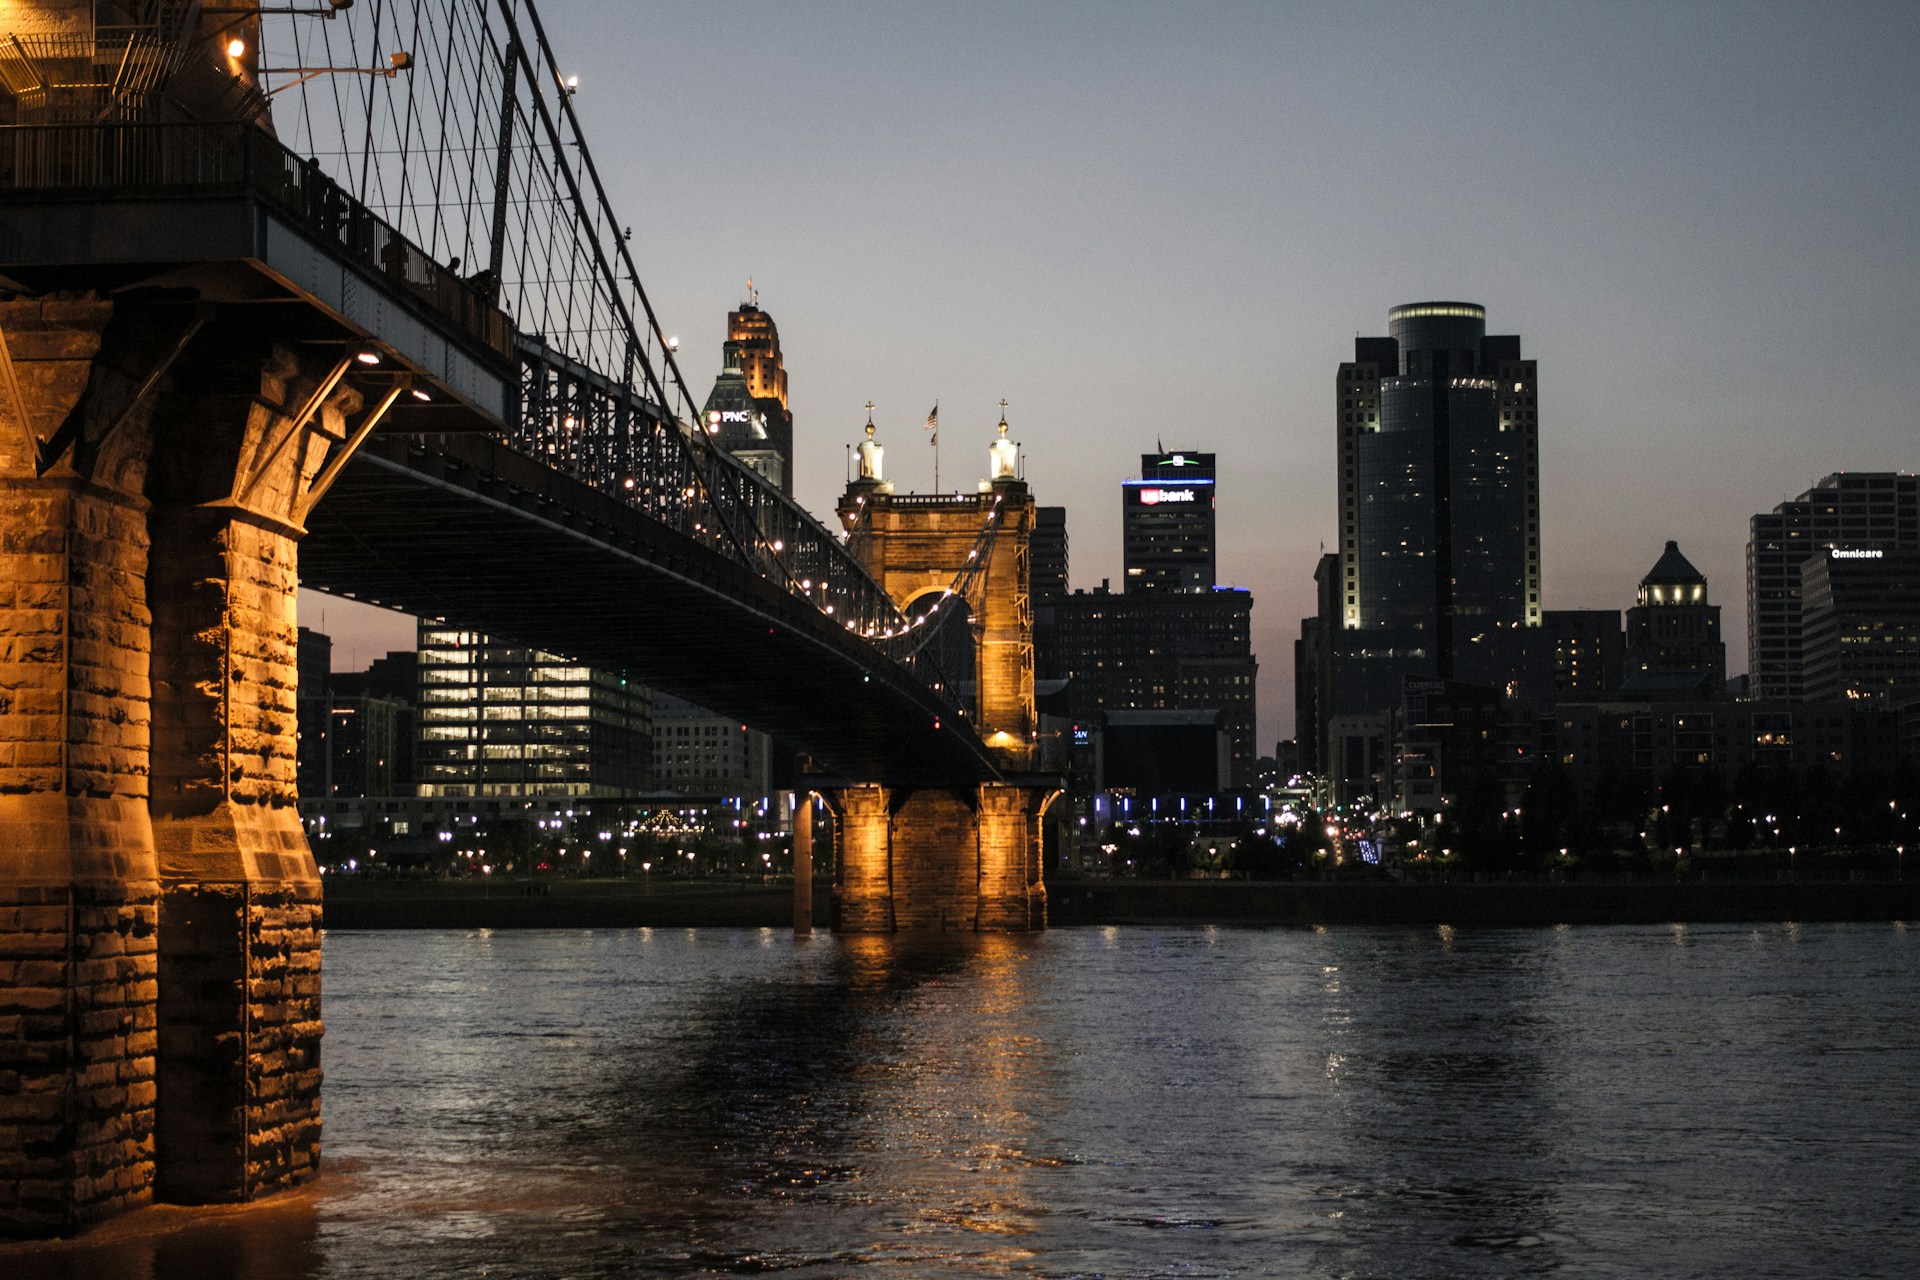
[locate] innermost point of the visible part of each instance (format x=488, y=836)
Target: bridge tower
x=951, y=857
x=159, y=907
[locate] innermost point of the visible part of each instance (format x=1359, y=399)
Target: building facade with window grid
x=501, y=720
x=696, y=752
x=1848, y=510
x=1860, y=627
x=1174, y=651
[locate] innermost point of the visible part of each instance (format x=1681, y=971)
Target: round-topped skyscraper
x=1439, y=570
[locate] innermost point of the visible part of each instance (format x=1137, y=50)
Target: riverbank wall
x=586, y=904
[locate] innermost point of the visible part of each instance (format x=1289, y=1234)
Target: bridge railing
x=196, y=158
x=479, y=150
x=559, y=290
x=597, y=431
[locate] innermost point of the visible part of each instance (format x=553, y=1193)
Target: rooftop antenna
x=753, y=294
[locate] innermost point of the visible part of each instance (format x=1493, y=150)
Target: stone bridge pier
x=939, y=858
x=964, y=857
x=159, y=908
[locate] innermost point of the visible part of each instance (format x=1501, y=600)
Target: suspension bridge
x=332, y=293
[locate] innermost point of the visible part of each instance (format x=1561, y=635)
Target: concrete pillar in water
x=239, y=1004
x=938, y=858
x=803, y=865
x=1011, y=893
x=78, y=890
x=863, y=889
x=159, y=910
x=935, y=858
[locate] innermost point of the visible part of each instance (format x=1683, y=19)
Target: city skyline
x=1136, y=225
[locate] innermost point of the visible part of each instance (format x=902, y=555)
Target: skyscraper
x=1860, y=627
x=747, y=415
x=746, y=412
x=1166, y=524
x=1438, y=428
x=1047, y=555
x=1674, y=648
x=1849, y=511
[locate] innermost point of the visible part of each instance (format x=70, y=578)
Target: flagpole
x=933, y=425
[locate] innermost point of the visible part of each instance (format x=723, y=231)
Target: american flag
x=933, y=424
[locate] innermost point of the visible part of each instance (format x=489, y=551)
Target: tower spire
x=1003, y=455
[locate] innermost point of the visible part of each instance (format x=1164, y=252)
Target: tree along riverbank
x=366, y=903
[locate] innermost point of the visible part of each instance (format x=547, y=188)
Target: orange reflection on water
x=275, y=1236
x=972, y=1105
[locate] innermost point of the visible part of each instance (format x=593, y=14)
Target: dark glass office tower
x=1047, y=556
x=1439, y=506
x=1849, y=511
x=1166, y=524
x=1860, y=627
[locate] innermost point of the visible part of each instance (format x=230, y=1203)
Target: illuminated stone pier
x=159, y=909
x=938, y=858
x=966, y=857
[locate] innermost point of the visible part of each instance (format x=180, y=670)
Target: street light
x=398, y=61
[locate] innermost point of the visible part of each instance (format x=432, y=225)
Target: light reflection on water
x=1723, y=1100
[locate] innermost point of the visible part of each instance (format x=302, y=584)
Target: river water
x=1125, y=1102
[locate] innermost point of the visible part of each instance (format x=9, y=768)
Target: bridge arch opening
x=952, y=641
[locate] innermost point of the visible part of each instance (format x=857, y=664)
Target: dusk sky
x=1166, y=222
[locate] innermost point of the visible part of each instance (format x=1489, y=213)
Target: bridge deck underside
x=472, y=532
